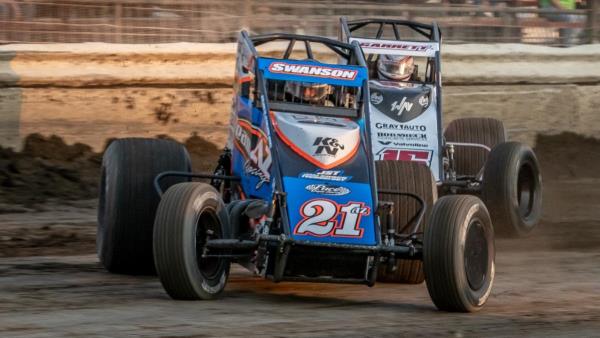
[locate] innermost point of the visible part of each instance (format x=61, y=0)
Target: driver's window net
x=313, y=94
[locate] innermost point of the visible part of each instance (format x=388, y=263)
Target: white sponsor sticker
x=328, y=175
x=376, y=98
x=391, y=47
x=414, y=140
x=401, y=106
x=312, y=70
x=325, y=189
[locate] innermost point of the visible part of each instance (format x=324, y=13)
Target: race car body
x=405, y=116
x=472, y=155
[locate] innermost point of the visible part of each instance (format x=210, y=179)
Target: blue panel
x=312, y=71
x=318, y=211
x=251, y=156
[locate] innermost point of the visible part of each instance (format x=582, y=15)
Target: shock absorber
x=451, y=167
x=386, y=215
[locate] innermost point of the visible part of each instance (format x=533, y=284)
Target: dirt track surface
x=51, y=296
x=51, y=283
x=546, y=285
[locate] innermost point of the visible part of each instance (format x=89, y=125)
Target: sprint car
x=472, y=155
x=298, y=194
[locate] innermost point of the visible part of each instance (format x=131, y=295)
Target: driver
x=307, y=92
x=395, y=67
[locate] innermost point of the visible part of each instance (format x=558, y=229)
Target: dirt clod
x=163, y=113
x=49, y=169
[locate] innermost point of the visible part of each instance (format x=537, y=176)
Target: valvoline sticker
x=329, y=211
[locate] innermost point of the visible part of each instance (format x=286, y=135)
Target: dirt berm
x=49, y=169
x=88, y=92
x=102, y=64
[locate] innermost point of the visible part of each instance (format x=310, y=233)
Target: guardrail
x=158, y=21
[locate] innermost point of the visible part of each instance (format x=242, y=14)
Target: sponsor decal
x=396, y=154
x=424, y=101
x=400, y=127
x=258, y=158
x=402, y=106
x=403, y=144
x=312, y=70
x=326, y=189
x=315, y=119
x=327, y=146
x=376, y=98
x=402, y=136
x=404, y=125
x=327, y=175
x=324, y=217
x=396, y=46
x=414, y=48
x=251, y=169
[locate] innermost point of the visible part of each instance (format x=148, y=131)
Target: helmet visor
x=396, y=69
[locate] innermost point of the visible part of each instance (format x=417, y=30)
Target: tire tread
x=438, y=263
x=409, y=177
x=129, y=209
x=486, y=131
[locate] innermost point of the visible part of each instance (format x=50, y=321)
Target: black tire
x=458, y=254
x=237, y=220
x=410, y=177
x=185, y=213
x=128, y=201
x=486, y=131
x=512, y=189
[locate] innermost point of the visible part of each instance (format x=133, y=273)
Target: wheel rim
x=476, y=255
x=209, y=267
x=526, y=186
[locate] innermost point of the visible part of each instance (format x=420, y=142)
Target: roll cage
x=256, y=72
x=430, y=48
x=374, y=44
x=430, y=31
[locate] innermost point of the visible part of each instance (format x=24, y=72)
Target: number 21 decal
x=320, y=218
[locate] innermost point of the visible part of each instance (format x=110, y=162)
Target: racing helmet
x=307, y=91
x=395, y=67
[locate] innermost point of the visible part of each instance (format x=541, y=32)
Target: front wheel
x=458, y=254
x=188, y=215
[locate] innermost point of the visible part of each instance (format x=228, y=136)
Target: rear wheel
x=485, y=131
x=458, y=254
x=512, y=189
x=189, y=214
x=411, y=177
x=128, y=201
